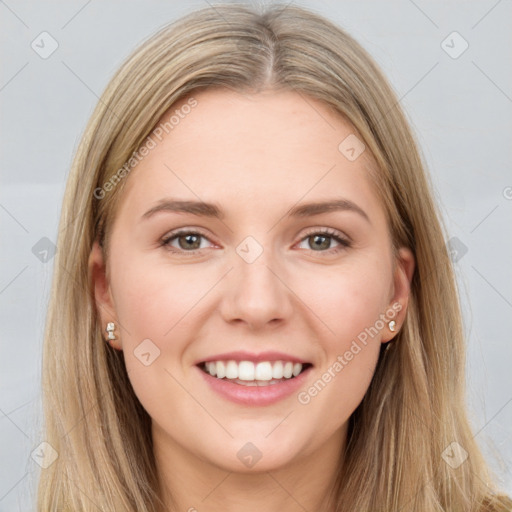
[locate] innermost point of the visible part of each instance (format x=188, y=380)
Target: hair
x=415, y=405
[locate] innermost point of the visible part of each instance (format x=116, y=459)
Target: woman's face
x=218, y=254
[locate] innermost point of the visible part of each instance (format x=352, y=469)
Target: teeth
x=252, y=374
x=277, y=370
x=263, y=371
x=211, y=368
x=231, y=369
x=246, y=370
x=221, y=369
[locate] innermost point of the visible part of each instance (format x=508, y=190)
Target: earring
x=110, y=331
x=392, y=326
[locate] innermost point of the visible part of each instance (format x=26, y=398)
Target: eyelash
x=344, y=243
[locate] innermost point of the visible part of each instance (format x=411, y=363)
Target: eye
x=190, y=241
x=187, y=240
x=321, y=240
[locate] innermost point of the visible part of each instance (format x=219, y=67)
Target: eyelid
x=343, y=240
x=164, y=241
x=325, y=230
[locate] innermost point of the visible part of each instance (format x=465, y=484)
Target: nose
x=256, y=294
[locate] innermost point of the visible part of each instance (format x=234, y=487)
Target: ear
x=102, y=293
x=402, y=278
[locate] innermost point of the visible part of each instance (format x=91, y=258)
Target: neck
x=192, y=484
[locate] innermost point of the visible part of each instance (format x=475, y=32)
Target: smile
x=259, y=382
x=248, y=373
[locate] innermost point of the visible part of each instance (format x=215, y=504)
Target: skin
x=256, y=157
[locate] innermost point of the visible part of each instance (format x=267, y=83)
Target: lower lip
x=255, y=395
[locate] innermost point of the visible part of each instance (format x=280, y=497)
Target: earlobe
x=404, y=272
x=102, y=294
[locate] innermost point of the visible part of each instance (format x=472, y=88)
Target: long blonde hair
x=415, y=406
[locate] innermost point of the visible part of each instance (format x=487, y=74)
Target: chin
x=258, y=451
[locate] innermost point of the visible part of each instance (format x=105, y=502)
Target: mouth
x=249, y=373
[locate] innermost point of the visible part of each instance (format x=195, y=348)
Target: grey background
x=460, y=109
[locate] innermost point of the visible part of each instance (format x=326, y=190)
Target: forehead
x=270, y=148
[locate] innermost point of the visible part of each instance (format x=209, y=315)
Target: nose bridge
x=256, y=294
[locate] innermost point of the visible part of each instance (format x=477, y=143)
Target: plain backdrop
x=450, y=64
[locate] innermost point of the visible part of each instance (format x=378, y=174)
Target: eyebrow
x=203, y=209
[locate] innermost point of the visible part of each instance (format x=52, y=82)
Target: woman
x=253, y=305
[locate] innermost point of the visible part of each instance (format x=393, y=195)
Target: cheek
x=151, y=303
x=151, y=297
x=350, y=303
x=159, y=307
x=348, y=300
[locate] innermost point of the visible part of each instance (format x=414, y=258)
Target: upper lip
x=241, y=355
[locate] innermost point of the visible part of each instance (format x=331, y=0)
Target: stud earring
x=392, y=326
x=110, y=331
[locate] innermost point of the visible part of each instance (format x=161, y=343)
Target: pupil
x=321, y=242
x=190, y=239
x=317, y=238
